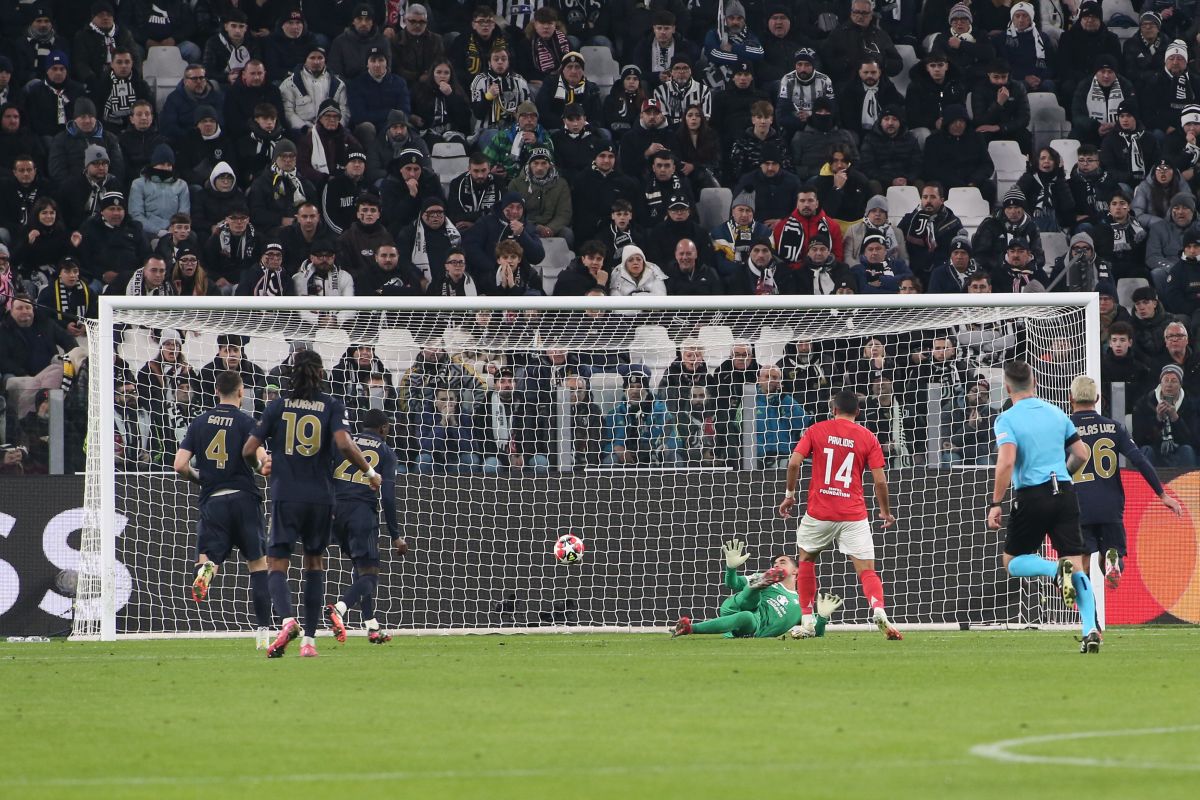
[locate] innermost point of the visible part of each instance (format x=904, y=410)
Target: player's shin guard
x=872, y=587
x=314, y=600
x=1031, y=566
x=260, y=596
x=806, y=585
x=1085, y=601
x=281, y=595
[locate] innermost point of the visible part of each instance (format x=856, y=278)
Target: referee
x=1032, y=438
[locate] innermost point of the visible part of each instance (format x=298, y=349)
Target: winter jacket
x=271, y=198
x=852, y=241
x=1051, y=190
x=1183, y=289
x=348, y=52
x=252, y=152
x=575, y=153
x=880, y=278
x=926, y=100
x=152, y=201
x=107, y=249
x=731, y=109
x=1078, y=49
x=1150, y=431
x=885, y=158
x=1150, y=207
x=413, y=55
x=779, y=421
x=25, y=352
x=480, y=241
x=1021, y=53
x=500, y=149
x=701, y=280
x=1128, y=259
x=957, y=161
x=67, y=152
x=338, y=144
x=197, y=155
x=283, y=55
x=358, y=245
x=178, y=115
x=303, y=93
x=217, y=52
x=969, y=59
x=81, y=198
x=993, y=235
x=1117, y=155
x=548, y=204
x=1092, y=193
x=1165, y=243
x=576, y=280
x=550, y=104
x=1012, y=117
x=774, y=198
x=652, y=280
x=381, y=152
x=592, y=196
x=1148, y=339
x=466, y=202
x=372, y=100
x=631, y=157
x=210, y=206
x=847, y=203
x=852, y=96
x=811, y=146
x=90, y=54
x=114, y=98
x=1157, y=99
x=745, y=154
x=136, y=147
x=240, y=101
x=400, y=208
x=45, y=106
x=914, y=227
x=792, y=235
x=848, y=43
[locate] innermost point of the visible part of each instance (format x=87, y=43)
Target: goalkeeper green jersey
x=778, y=611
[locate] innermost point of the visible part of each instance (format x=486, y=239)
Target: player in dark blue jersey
x=301, y=430
x=230, y=503
x=1098, y=481
x=356, y=524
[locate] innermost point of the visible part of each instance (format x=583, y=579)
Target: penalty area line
x=1002, y=750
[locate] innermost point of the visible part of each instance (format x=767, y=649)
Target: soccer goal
x=653, y=428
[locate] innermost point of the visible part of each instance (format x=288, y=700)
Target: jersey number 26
x=1102, y=463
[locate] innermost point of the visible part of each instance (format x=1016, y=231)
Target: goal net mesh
x=653, y=436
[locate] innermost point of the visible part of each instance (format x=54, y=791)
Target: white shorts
x=852, y=537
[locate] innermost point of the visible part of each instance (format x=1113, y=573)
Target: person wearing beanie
x=1011, y=221
x=1028, y=51
x=426, y=243
x=1129, y=152
x=80, y=195
x=204, y=146
x=1157, y=193
x=340, y=195
x=569, y=87
x=349, y=50
x=275, y=195
x=212, y=202
x=1165, y=241
x=112, y=243
x=1168, y=91
x=1182, y=294
x=759, y=271
x=95, y=44
x=1079, y=270
x=1182, y=145
x=325, y=147
x=950, y=277
x=857, y=37
x=245, y=95
x=267, y=278
x=733, y=238
x=957, y=156
x=231, y=357
x=962, y=42
x=49, y=98
x=774, y=188
x=1080, y=44
x=576, y=143
x=375, y=92
x=875, y=221
x=737, y=44
x=179, y=112
x=1121, y=239
x=819, y=271
x=230, y=49
x=1166, y=421
x=876, y=272
x=680, y=222
x=507, y=221
x=67, y=148
x=509, y=149
x=320, y=276
x=547, y=196
x=594, y=192
x=408, y=183
x=1097, y=101
x=636, y=275
x=287, y=45
x=159, y=194
x=890, y=156
x=1000, y=107
x=622, y=108
x=305, y=90
x=680, y=91
x=799, y=91
x=397, y=135
x=1143, y=53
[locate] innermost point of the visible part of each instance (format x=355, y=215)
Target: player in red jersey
x=841, y=450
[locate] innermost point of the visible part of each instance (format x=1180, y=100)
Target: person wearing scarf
x=1080, y=44
x=1015, y=272
x=1165, y=422
x=32, y=49
x=275, y=195
x=469, y=51
x=1091, y=186
x=864, y=99
x=497, y=93
x=758, y=270
x=228, y=52
x=164, y=387
x=1129, y=152
x=547, y=196
x=51, y=99
x=950, y=277
x=320, y=276
x=45, y=244
x=1182, y=295
x=1143, y=54
x=820, y=272
x=325, y=147
x=1047, y=192
x=734, y=237
x=966, y=51
x=621, y=108
x=189, y=277
x=1011, y=221
x=569, y=88
x=876, y=272
x=254, y=147
x=1170, y=90
x=232, y=248
x=791, y=235
x=426, y=242
x=453, y=279
x=472, y=194
x=1121, y=239
x=874, y=222
x=1026, y=50
x=96, y=44
x=928, y=231
x=149, y=280
x=547, y=45
x=620, y=232
x=1096, y=103
x=70, y=300
x=681, y=91
x=267, y=278
x=119, y=88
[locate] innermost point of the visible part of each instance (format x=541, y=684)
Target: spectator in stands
x=1156, y=194
x=50, y=99
x=662, y=186
x=1091, y=187
x=1047, y=192
x=874, y=221
x=211, y=204
x=791, y=236
x=1111, y=311
x=1129, y=152
x=68, y=148
x=1182, y=295
x=231, y=357
x=232, y=248
x=1168, y=93
x=805, y=376
x=733, y=107
x=1027, y=49
x=111, y=242
x=179, y=237
x=811, y=145
x=441, y=111
x=780, y=41
x=195, y=90
x=390, y=142
x=759, y=271
x=585, y=273
x=698, y=150
x=95, y=45
x=576, y=143
x=507, y=221
x=159, y=194
x=546, y=195
x=725, y=48
x=203, y=147
x=306, y=89
x=688, y=274
x=320, y=276
x=1165, y=241
x=1150, y=321
x=680, y=223
x=342, y=191
x=874, y=362
x=745, y=153
x=569, y=87
x=636, y=275
x=38, y=254
x=116, y=90
x=361, y=240
x=140, y=137
x=779, y=420
x=957, y=156
x=971, y=424
x=1010, y=222
x=16, y=138
x=935, y=84
x=728, y=385
x=773, y=189
x=32, y=47
x=19, y=193
x=884, y=416
x=863, y=99
x=245, y=96
x=620, y=232
x=470, y=49
x=445, y=436
x=639, y=431
x=497, y=95
x=267, y=278
x=509, y=150
x=1179, y=146
x=1119, y=364
x=386, y=278
x=165, y=385
x=288, y=45
x=29, y=344
x=621, y=109
x=733, y=238
x=876, y=272
x=513, y=275
x=1016, y=270
x=891, y=155
x=1080, y=270
x=587, y=422
x=1178, y=353
x=1144, y=53
x=69, y=300
x=278, y=192
x=687, y=372
x=1000, y=107
x=348, y=53
x=929, y=231
x=189, y=278
x=968, y=51
x=326, y=146
x=950, y=277
x=453, y=280
x=473, y=194
x=859, y=36
x=681, y=91
x=1079, y=47
x=1097, y=101
x=1165, y=422
x=650, y=137
x=415, y=47
x=227, y=52
x=695, y=427
x=655, y=52
x=1121, y=239
x=503, y=441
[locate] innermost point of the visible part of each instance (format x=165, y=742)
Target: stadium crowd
x=284, y=148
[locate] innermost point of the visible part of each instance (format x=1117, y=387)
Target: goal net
x=653, y=428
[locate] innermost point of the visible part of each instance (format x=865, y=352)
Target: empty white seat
x=1125, y=289
x=969, y=205
x=558, y=256
x=717, y=341
x=1047, y=119
x=652, y=346
x=1054, y=245
x=447, y=150
x=397, y=348
x=920, y=134
x=267, y=353
x=901, y=200
x=198, y=349
x=714, y=206
x=447, y=169
x=607, y=389
x=163, y=68
x=601, y=67
x=1069, y=150
x=908, y=55
x=1008, y=159
x=771, y=344
x=331, y=343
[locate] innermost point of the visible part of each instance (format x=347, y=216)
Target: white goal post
x=651, y=483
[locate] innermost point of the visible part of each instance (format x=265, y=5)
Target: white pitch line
x=1001, y=751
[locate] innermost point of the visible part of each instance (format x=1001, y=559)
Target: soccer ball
x=569, y=548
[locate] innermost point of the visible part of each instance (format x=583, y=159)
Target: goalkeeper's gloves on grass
x=826, y=605
x=735, y=553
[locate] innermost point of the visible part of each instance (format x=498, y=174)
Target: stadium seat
x=558, y=256
x=1125, y=289
x=1123, y=28
x=135, y=348
x=331, y=345
x=1054, y=245
x=995, y=378
x=198, y=349
x=920, y=134
x=1047, y=120
x=969, y=205
x=909, y=56
x=447, y=150
x=901, y=200
x=601, y=68
x=717, y=341
x=1069, y=150
x=265, y=352
x=652, y=346
x=447, y=169
x=714, y=207
x=456, y=340
x=166, y=67
x=397, y=348
x=1010, y=164
x=771, y=344
x=607, y=389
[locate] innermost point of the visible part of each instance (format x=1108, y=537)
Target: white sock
x=372, y=625
x=308, y=640
x=808, y=620
x=341, y=609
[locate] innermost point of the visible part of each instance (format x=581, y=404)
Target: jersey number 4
x=1102, y=463
x=845, y=473
x=216, y=451
x=348, y=472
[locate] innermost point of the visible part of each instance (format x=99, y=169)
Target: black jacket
x=926, y=99
x=703, y=280
x=592, y=196
x=27, y=351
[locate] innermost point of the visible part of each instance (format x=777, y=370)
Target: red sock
x=872, y=588
x=806, y=585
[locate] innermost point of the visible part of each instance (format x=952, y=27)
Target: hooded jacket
x=885, y=158
x=958, y=160
x=926, y=101
x=154, y=198
x=67, y=151
x=652, y=280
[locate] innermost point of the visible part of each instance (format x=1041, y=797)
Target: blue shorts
x=356, y=531
x=1101, y=536
x=229, y=521
x=307, y=523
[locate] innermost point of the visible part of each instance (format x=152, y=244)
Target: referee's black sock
x=260, y=595
x=314, y=600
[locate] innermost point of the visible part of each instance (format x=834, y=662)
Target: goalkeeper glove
x=826, y=605
x=735, y=553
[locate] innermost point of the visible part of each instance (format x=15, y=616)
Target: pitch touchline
x=1000, y=751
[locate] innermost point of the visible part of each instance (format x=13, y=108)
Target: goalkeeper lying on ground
x=766, y=607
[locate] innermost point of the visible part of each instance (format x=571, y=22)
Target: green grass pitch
x=607, y=716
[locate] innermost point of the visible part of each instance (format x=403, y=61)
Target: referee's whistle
x=1053, y=483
